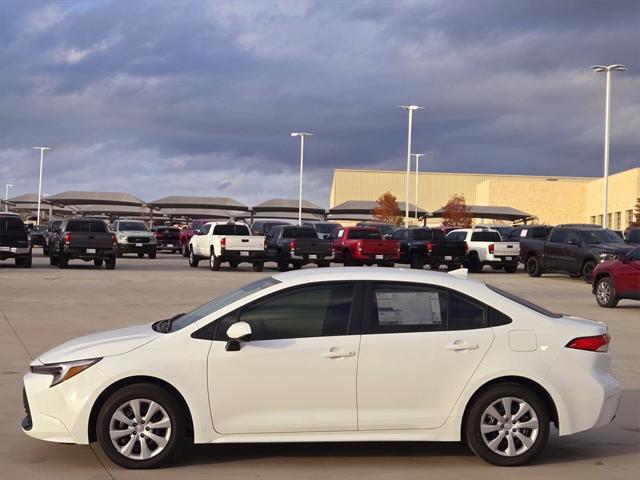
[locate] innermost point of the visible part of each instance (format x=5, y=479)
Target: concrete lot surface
x=44, y=306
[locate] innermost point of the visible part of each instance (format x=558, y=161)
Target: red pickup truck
x=186, y=233
x=363, y=246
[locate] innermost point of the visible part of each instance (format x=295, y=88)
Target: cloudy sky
x=169, y=97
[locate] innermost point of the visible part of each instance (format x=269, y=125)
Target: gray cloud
x=159, y=98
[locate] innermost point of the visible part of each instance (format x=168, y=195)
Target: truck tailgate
x=90, y=240
x=244, y=243
x=312, y=246
x=376, y=247
x=506, y=249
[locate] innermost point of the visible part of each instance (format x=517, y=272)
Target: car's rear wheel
x=416, y=262
x=140, y=255
x=606, y=293
x=283, y=262
x=533, y=267
x=152, y=254
x=53, y=260
x=141, y=426
x=234, y=264
x=97, y=262
x=511, y=267
x=507, y=425
x=63, y=261
x=214, y=262
x=185, y=250
x=257, y=266
x=475, y=265
x=110, y=263
x=347, y=259
x=587, y=270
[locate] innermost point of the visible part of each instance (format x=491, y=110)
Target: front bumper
x=136, y=248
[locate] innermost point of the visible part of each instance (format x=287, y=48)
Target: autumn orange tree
x=455, y=213
x=387, y=209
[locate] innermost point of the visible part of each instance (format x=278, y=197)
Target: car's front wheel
x=507, y=425
x=606, y=293
x=141, y=426
x=587, y=270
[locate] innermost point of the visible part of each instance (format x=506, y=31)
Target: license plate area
x=138, y=244
x=313, y=257
x=379, y=257
x=448, y=257
x=90, y=250
x=244, y=254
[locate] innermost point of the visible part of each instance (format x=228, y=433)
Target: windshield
x=593, y=237
x=133, y=226
x=326, y=227
x=426, y=234
x=220, y=302
x=524, y=303
x=364, y=234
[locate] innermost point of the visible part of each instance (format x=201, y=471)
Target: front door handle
x=458, y=346
x=337, y=353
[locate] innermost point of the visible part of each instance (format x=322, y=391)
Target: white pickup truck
x=226, y=242
x=485, y=247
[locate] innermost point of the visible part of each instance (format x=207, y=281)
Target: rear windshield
x=86, y=226
x=299, y=232
x=231, y=230
x=11, y=224
x=133, y=226
x=486, y=237
x=424, y=234
x=326, y=227
x=364, y=234
x=593, y=237
x=634, y=236
x=524, y=303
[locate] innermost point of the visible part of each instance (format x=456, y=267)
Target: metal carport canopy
x=27, y=198
x=492, y=212
x=202, y=213
x=358, y=209
x=287, y=205
x=71, y=197
x=308, y=217
x=195, y=202
x=113, y=210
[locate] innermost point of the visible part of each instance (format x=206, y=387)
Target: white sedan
x=348, y=354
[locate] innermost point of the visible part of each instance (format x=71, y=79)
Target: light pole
x=6, y=196
x=410, y=109
x=301, y=135
x=42, y=149
x=607, y=130
x=417, y=155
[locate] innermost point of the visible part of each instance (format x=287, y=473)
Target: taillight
x=158, y=234
x=114, y=240
x=492, y=248
x=67, y=238
x=429, y=247
x=359, y=246
x=599, y=343
x=397, y=248
x=466, y=247
x=223, y=242
x=265, y=243
x=292, y=246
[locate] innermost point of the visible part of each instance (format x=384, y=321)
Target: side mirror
x=240, y=331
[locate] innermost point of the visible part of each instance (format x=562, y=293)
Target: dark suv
x=14, y=240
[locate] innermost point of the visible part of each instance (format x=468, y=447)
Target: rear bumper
x=374, y=257
x=308, y=257
x=14, y=252
x=82, y=254
x=169, y=246
x=242, y=255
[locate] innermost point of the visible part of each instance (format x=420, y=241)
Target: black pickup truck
x=428, y=246
x=83, y=239
x=14, y=240
x=298, y=246
x=575, y=250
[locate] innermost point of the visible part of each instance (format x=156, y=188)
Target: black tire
x=193, y=260
x=474, y=264
x=53, y=260
x=141, y=255
x=23, y=262
x=234, y=264
x=283, y=262
x=257, y=266
x=97, y=262
x=119, y=253
x=534, y=269
x=476, y=416
x=152, y=254
x=63, y=261
x=451, y=267
x=388, y=265
x=416, y=262
x=45, y=250
x=214, y=261
x=606, y=293
x=110, y=263
x=347, y=259
x=185, y=250
x=511, y=267
x=587, y=270
x=146, y=393
x=296, y=265
x=324, y=264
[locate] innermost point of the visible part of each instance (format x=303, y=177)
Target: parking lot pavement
x=44, y=306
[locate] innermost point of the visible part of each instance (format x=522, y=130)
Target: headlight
x=64, y=371
x=122, y=237
x=607, y=256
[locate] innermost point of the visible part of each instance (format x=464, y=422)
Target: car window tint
x=423, y=234
x=407, y=308
x=496, y=318
x=231, y=230
x=314, y=311
x=539, y=232
x=633, y=255
x=204, y=230
x=364, y=234
x=573, y=238
x=557, y=236
x=486, y=237
x=299, y=232
x=464, y=313
x=86, y=226
x=11, y=224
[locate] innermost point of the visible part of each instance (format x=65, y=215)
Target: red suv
x=616, y=279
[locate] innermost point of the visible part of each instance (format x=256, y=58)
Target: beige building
x=552, y=200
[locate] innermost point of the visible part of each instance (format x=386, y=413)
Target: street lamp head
x=9, y=185
x=418, y=155
x=616, y=67
x=410, y=107
x=41, y=148
x=301, y=134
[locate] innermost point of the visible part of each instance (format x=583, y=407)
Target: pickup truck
x=167, y=238
x=186, y=233
x=528, y=231
x=298, y=246
x=575, y=250
x=226, y=242
x=133, y=236
x=14, y=240
x=428, y=246
x=485, y=247
x=83, y=239
x=364, y=246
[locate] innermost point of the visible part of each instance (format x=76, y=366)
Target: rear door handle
x=458, y=346
x=337, y=353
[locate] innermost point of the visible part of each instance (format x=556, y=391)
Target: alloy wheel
x=140, y=429
x=603, y=292
x=509, y=426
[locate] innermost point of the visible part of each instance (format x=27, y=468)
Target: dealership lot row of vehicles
x=600, y=256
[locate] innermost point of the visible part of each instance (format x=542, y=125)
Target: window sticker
x=408, y=308
x=523, y=233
